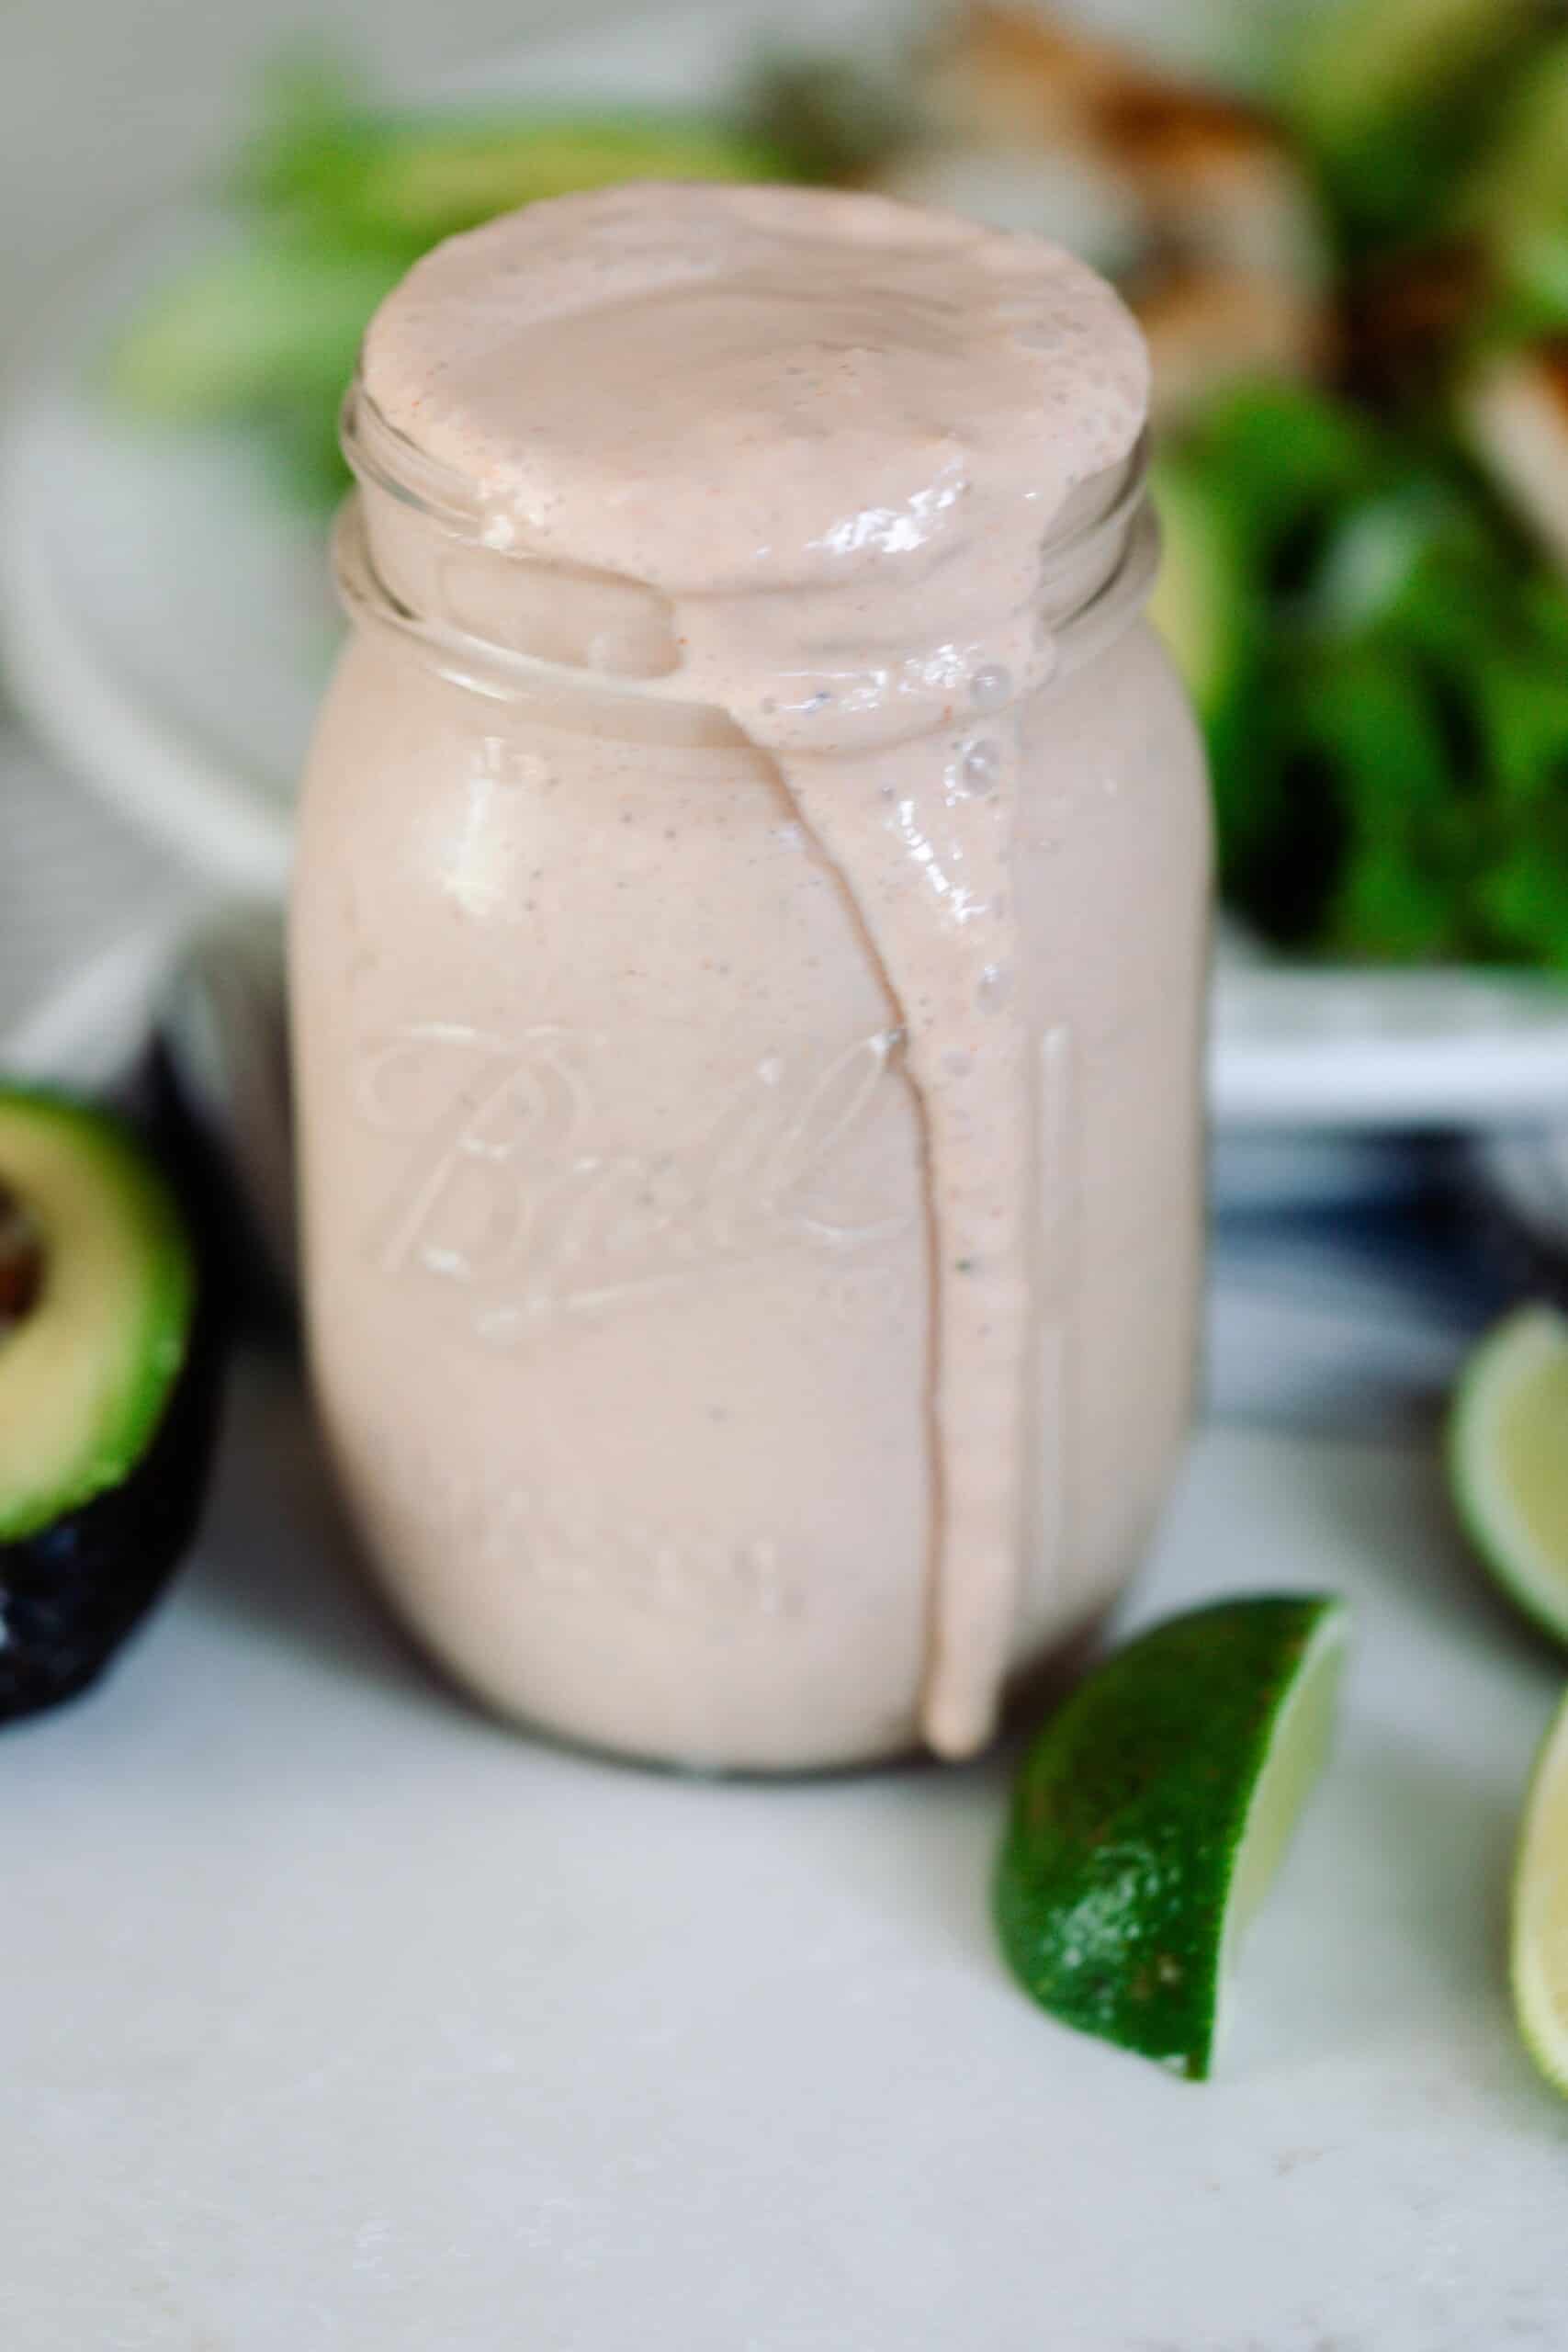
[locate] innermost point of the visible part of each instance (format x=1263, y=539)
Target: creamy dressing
x=832, y=434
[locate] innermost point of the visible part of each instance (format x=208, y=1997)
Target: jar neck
x=417, y=551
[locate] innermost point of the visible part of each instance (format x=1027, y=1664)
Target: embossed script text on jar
x=512, y=1190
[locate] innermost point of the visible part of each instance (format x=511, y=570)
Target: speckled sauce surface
x=799, y=459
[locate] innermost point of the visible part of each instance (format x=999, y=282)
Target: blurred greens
x=1380, y=667
x=334, y=199
x=1354, y=585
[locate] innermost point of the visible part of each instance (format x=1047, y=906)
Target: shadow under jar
x=688, y=1403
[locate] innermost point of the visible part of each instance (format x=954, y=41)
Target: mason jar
x=621, y=1298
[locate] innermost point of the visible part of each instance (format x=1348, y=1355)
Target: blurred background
x=1343, y=224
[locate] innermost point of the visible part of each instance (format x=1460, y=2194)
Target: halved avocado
x=107, y=1392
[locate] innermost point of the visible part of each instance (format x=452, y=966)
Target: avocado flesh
x=108, y=1394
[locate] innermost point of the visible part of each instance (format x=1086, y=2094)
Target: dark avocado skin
x=71, y=1593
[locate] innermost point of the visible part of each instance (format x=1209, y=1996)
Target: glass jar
x=621, y=1298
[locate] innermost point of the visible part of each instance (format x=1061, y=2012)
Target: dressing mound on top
x=835, y=433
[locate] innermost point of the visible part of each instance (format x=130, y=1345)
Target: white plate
x=336, y=2019
x=168, y=629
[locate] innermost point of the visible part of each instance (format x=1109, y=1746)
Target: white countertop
x=335, y=2018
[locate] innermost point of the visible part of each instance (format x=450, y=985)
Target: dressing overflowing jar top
x=805, y=457
x=832, y=430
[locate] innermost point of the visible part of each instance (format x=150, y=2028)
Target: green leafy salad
x=1355, y=294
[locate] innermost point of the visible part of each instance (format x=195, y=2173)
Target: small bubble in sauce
x=995, y=988
x=977, y=767
x=990, y=686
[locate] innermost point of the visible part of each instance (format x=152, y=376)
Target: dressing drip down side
x=824, y=438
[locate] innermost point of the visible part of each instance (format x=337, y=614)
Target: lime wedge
x=1152, y=1811
x=1508, y=1460
x=1539, y=1940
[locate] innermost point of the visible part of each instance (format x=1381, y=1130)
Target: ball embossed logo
x=513, y=1191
